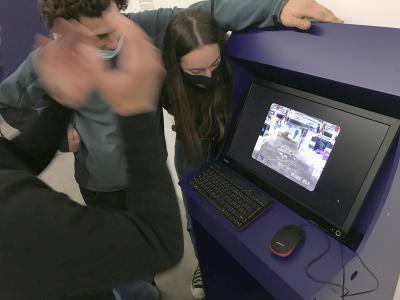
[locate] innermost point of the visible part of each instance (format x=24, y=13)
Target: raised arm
x=66, y=249
x=56, y=247
x=240, y=14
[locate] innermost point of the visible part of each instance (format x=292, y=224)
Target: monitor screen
x=318, y=154
x=295, y=144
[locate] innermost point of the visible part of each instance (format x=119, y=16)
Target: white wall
x=384, y=13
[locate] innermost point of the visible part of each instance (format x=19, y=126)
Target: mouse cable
x=345, y=290
x=343, y=272
x=368, y=270
x=312, y=262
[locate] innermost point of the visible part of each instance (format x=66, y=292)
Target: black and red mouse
x=286, y=240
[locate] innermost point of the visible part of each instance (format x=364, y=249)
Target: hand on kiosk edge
x=299, y=13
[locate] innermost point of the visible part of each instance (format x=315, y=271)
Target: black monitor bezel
x=341, y=232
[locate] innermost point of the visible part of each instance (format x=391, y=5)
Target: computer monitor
x=316, y=155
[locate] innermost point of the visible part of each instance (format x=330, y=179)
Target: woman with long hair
x=196, y=93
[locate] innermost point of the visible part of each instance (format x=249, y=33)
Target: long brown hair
x=187, y=31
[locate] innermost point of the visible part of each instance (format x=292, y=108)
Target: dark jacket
x=53, y=248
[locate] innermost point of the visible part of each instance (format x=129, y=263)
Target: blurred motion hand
x=73, y=139
x=297, y=13
x=65, y=66
x=70, y=68
x=135, y=85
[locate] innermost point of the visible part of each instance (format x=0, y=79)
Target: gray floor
x=174, y=284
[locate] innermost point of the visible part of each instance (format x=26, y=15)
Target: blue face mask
x=110, y=54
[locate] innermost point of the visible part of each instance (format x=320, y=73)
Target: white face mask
x=109, y=54
x=105, y=54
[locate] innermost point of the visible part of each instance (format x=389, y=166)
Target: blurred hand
x=73, y=139
x=135, y=85
x=65, y=66
x=297, y=13
x=70, y=68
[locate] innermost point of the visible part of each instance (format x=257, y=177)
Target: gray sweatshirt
x=100, y=164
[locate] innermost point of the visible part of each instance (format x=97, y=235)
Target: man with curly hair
x=94, y=136
x=54, y=248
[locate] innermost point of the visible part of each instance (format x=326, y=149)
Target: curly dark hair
x=74, y=9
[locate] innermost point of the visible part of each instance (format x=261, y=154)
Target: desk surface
x=250, y=248
x=285, y=278
x=359, y=56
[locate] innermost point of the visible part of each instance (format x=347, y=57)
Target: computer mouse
x=286, y=239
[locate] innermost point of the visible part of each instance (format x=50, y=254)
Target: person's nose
x=208, y=73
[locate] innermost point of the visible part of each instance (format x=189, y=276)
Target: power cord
x=343, y=273
x=345, y=290
x=372, y=274
x=312, y=262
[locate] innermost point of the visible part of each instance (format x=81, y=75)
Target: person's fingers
x=67, y=28
x=298, y=13
x=77, y=137
x=66, y=68
x=72, y=32
x=83, y=35
x=322, y=14
x=134, y=86
x=73, y=139
x=74, y=134
x=135, y=39
x=90, y=60
x=69, y=132
x=297, y=22
x=125, y=26
x=62, y=27
x=137, y=53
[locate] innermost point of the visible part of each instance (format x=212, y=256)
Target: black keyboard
x=236, y=201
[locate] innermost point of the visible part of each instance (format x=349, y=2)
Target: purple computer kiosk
x=358, y=65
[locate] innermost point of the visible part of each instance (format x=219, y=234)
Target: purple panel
x=20, y=21
x=363, y=56
x=316, y=55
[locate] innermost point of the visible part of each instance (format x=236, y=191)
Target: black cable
x=345, y=290
x=372, y=274
x=343, y=272
x=318, y=258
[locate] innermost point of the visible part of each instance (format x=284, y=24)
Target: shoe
x=197, y=285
